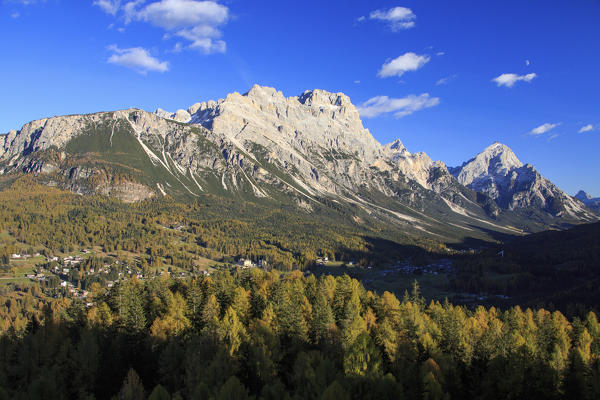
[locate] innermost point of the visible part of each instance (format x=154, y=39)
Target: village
x=72, y=275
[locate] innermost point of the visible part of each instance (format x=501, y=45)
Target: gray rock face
x=497, y=172
x=179, y=115
x=418, y=166
x=43, y=133
x=317, y=136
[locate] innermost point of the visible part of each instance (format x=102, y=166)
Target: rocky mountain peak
x=312, y=121
x=583, y=196
x=263, y=94
x=589, y=201
x=319, y=97
x=395, y=146
x=179, y=116
x=497, y=172
x=496, y=159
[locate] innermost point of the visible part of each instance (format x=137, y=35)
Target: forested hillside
x=255, y=334
x=547, y=269
x=212, y=227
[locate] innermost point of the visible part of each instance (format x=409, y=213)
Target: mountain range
x=300, y=152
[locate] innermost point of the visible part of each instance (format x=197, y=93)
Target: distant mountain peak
x=588, y=200
x=497, y=172
x=499, y=152
x=583, y=196
x=496, y=159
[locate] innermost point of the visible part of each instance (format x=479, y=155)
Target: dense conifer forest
x=268, y=335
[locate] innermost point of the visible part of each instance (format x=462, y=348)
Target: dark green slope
x=550, y=268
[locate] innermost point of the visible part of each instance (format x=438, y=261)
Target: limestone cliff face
x=317, y=136
x=316, y=120
x=419, y=167
x=42, y=134
x=498, y=172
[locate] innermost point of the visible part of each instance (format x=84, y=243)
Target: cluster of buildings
x=440, y=267
x=247, y=263
x=322, y=261
x=23, y=256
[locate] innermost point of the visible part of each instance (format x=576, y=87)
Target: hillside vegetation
x=556, y=269
x=212, y=227
x=254, y=334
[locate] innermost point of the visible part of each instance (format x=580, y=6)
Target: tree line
x=271, y=335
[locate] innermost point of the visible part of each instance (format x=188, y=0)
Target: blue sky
x=446, y=77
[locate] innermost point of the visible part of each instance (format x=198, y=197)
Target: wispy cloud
x=527, y=63
x=399, y=65
x=108, y=6
x=587, y=128
x=509, y=80
x=399, y=107
x=398, y=18
x=198, y=22
x=138, y=59
x=15, y=15
x=25, y=2
x=540, y=130
x=446, y=80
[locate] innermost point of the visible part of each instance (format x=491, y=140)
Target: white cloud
x=108, y=6
x=440, y=53
x=398, y=17
x=138, y=59
x=509, y=80
x=399, y=65
x=175, y=14
x=446, y=80
x=398, y=107
x=587, y=128
x=527, y=62
x=540, y=130
x=177, y=48
x=198, y=22
x=204, y=38
x=15, y=14
x=130, y=10
x=357, y=82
